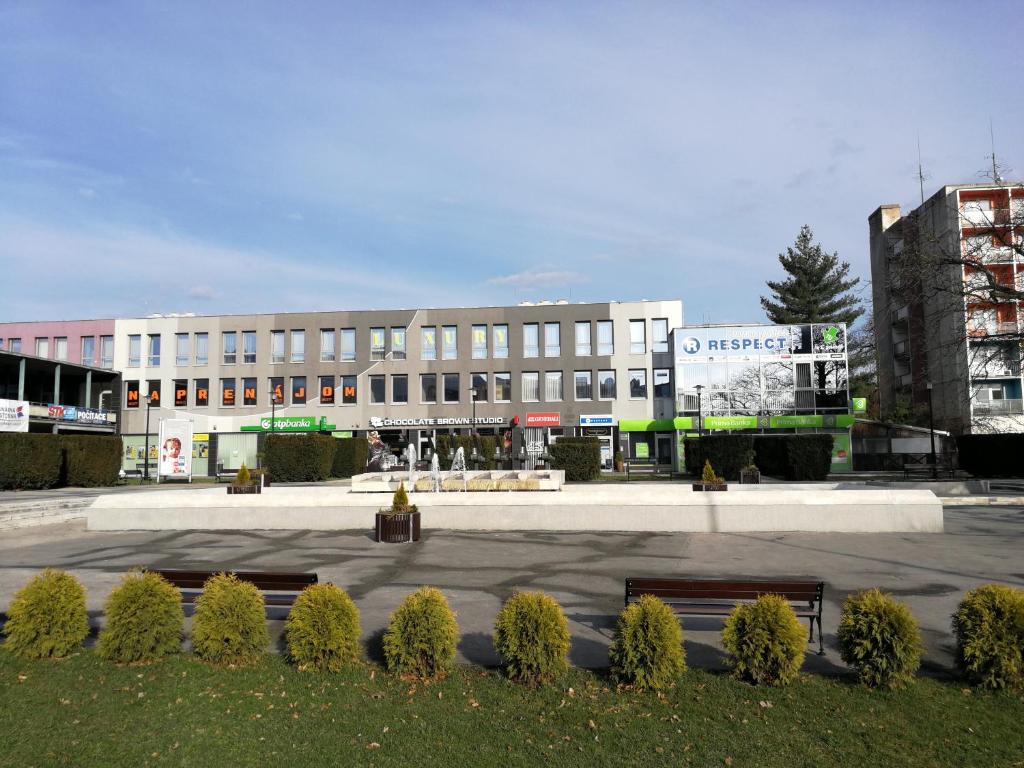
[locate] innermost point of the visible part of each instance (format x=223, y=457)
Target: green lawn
x=86, y=712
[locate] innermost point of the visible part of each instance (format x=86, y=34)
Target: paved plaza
x=584, y=571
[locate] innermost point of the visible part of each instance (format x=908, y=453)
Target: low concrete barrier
x=603, y=507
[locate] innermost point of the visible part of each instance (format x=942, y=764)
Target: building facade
x=947, y=279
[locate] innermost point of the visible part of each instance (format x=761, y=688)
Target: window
x=399, y=389
x=154, y=350
x=531, y=386
x=553, y=386
x=249, y=347
x=298, y=390
x=230, y=344
x=451, y=388
x=348, y=390
x=14, y=345
x=428, y=342
x=42, y=346
x=134, y=350
x=88, y=350
x=202, y=392
x=153, y=386
x=60, y=348
x=327, y=390
x=500, y=333
x=450, y=336
x=503, y=387
x=659, y=335
x=203, y=349
x=106, y=351
x=552, y=340
x=638, y=383
x=479, y=342
x=377, y=346
x=479, y=386
x=398, y=343
x=428, y=387
x=531, y=340
x=662, y=382
x=277, y=387
x=181, y=354
x=249, y=391
x=606, y=385
x=227, y=392
x=348, y=345
x=298, y=347
x=327, y=353
x=584, y=388
x=131, y=394
x=637, y=337
x=377, y=386
x=583, y=338
x=277, y=346
x=181, y=393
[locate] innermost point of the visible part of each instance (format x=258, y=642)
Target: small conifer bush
x=647, y=649
x=322, y=629
x=243, y=478
x=879, y=637
x=765, y=641
x=989, y=629
x=709, y=475
x=229, y=625
x=400, y=501
x=47, y=617
x=532, y=636
x=420, y=639
x=145, y=621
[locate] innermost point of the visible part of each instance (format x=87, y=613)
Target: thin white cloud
x=204, y=292
x=538, y=279
x=295, y=216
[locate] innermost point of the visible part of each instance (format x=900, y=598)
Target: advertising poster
x=175, y=448
x=842, y=455
x=13, y=416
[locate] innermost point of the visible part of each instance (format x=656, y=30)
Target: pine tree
x=816, y=290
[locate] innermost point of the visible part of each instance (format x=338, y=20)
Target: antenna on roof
x=920, y=168
x=997, y=168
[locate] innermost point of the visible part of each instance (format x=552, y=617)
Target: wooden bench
x=715, y=597
x=227, y=474
x=279, y=588
x=647, y=467
x=921, y=467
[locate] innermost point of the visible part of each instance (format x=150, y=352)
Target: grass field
x=86, y=712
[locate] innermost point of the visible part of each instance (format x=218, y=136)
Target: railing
x=976, y=217
x=995, y=369
x=1005, y=327
x=901, y=315
x=901, y=348
x=998, y=407
x=905, y=380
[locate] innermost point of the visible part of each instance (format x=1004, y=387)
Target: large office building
x=946, y=280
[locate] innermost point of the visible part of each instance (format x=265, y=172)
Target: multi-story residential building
x=947, y=281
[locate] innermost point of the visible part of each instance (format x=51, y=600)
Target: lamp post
x=700, y=425
x=273, y=405
x=149, y=404
x=931, y=432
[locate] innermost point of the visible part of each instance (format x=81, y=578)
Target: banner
x=13, y=416
x=175, y=448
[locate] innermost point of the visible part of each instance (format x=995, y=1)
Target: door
x=664, y=448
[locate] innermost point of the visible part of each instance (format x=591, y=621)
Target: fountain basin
x=476, y=480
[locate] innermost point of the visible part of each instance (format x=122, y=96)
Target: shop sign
x=730, y=422
x=89, y=416
x=292, y=424
x=457, y=421
x=543, y=420
x=860, y=404
x=597, y=420
x=13, y=416
x=55, y=411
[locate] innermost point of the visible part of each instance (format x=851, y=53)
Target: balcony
x=901, y=316
x=1002, y=328
x=972, y=216
x=901, y=349
x=998, y=407
x=904, y=380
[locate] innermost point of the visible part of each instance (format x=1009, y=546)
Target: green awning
x=655, y=425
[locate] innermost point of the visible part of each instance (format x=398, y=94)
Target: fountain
x=435, y=473
x=410, y=453
x=459, y=465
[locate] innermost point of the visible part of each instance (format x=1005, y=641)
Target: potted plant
x=620, y=463
x=400, y=522
x=710, y=481
x=243, y=483
x=750, y=475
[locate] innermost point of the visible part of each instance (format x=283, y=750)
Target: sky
x=267, y=157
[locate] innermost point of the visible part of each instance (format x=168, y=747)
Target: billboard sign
x=543, y=420
x=175, y=448
x=749, y=342
x=597, y=420
x=13, y=416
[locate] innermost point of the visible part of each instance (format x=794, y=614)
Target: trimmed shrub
x=349, y=456
x=242, y=479
x=299, y=458
x=47, y=617
x=91, y=460
x=580, y=457
x=229, y=625
x=765, y=641
x=145, y=621
x=879, y=637
x=991, y=455
x=29, y=461
x=794, y=457
x=322, y=629
x=485, y=445
x=420, y=639
x=647, y=648
x=989, y=629
x=728, y=453
x=532, y=636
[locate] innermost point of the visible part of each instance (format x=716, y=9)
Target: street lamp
x=149, y=404
x=700, y=420
x=273, y=405
x=931, y=432
x=472, y=390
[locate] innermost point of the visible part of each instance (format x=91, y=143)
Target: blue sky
x=261, y=157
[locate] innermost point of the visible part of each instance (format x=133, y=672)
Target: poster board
x=175, y=446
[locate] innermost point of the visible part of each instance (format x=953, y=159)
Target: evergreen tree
x=816, y=290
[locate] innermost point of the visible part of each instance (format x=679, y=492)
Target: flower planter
x=397, y=528
x=752, y=477
x=710, y=487
x=237, y=489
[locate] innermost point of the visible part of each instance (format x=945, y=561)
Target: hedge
x=33, y=461
x=991, y=455
x=349, y=456
x=728, y=454
x=793, y=457
x=485, y=445
x=299, y=458
x=580, y=457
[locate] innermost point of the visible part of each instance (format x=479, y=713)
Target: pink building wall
x=73, y=330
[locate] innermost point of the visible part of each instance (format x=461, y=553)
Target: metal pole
x=145, y=456
x=931, y=433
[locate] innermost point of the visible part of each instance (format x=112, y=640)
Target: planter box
x=397, y=529
x=240, y=489
x=710, y=487
x=749, y=478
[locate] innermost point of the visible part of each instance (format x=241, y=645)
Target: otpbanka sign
x=455, y=421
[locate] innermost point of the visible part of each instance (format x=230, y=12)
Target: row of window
x=434, y=388
x=60, y=349
x=392, y=343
